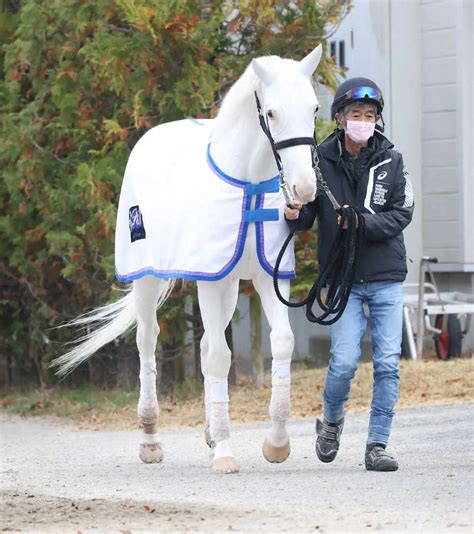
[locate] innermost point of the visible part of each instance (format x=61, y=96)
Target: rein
x=340, y=271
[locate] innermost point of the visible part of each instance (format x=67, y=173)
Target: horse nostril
x=295, y=193
x=305, y=193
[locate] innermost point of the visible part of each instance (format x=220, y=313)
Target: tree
x=81, y=82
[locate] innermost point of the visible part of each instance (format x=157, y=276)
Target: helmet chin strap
x=380, y=128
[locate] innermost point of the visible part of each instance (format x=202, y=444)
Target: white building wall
x=404, y=108
x=442, y=168
x=465, y=76
x=448, y=163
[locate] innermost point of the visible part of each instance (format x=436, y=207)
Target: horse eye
x=270, y=114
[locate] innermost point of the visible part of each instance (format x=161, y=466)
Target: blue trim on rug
x=234, y=181
x=196, y=121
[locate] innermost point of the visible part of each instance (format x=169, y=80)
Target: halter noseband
x=295, y=141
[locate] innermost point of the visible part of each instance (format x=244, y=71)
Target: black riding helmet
x=357, y=90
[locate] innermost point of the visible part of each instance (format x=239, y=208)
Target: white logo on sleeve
x=382, y=175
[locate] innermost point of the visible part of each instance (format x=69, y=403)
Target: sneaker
x=329, y=436
x=378, y=459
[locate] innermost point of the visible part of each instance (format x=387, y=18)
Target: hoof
x=226, y=464
x=151, y=453
x=275, y=455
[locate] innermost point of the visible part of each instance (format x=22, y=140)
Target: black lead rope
x=340, y=270
x=338, y=274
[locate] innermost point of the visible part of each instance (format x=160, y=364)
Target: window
x=342, y=54
x=337, y=51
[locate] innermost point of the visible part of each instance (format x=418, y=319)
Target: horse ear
x=262, y=71
x=311, y=61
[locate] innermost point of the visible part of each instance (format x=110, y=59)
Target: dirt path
x=56, y=479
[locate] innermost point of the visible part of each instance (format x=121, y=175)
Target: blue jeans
x=385, y=302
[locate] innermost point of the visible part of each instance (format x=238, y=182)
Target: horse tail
x=103, y=325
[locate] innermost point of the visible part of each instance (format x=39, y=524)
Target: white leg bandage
x=281, y=372
x=147, y=380
x=219, y=409
x=148, y=410
x=218, y=389
x=147, y=392
x=277, y=435
x=222, y=449
x=281, y=381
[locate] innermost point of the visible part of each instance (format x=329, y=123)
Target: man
x=362, y=170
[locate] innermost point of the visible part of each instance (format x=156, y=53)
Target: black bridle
x=339, y=273
x=295, y=141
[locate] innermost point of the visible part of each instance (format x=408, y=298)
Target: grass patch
x=422, y=383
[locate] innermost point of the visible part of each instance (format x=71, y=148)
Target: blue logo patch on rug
x=135, y=223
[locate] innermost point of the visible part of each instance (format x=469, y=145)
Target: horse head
x=289, y=105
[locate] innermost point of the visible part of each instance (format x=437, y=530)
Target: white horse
x=241, y=149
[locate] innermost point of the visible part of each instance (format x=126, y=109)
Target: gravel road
x=58, y=479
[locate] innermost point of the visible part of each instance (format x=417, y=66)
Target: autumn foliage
x=81, y=81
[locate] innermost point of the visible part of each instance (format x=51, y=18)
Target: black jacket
x=377, y=184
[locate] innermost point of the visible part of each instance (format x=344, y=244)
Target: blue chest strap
x=269, y=186
x=260, y=215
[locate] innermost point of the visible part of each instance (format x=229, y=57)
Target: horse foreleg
x=147, y=291
x=207, y=394
x=217, y=301
x=276, y=447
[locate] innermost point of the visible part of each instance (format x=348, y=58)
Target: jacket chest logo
x=382, y=175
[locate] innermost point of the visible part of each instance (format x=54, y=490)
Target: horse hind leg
x=276, y=447
x=147, y=291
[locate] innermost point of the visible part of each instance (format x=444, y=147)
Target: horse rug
x=181, y=216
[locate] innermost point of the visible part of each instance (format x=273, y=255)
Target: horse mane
x=240, y=99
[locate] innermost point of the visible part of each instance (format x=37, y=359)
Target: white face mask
x=360, y=131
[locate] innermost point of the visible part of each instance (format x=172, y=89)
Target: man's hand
x=293, y=212
x=345, y=222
